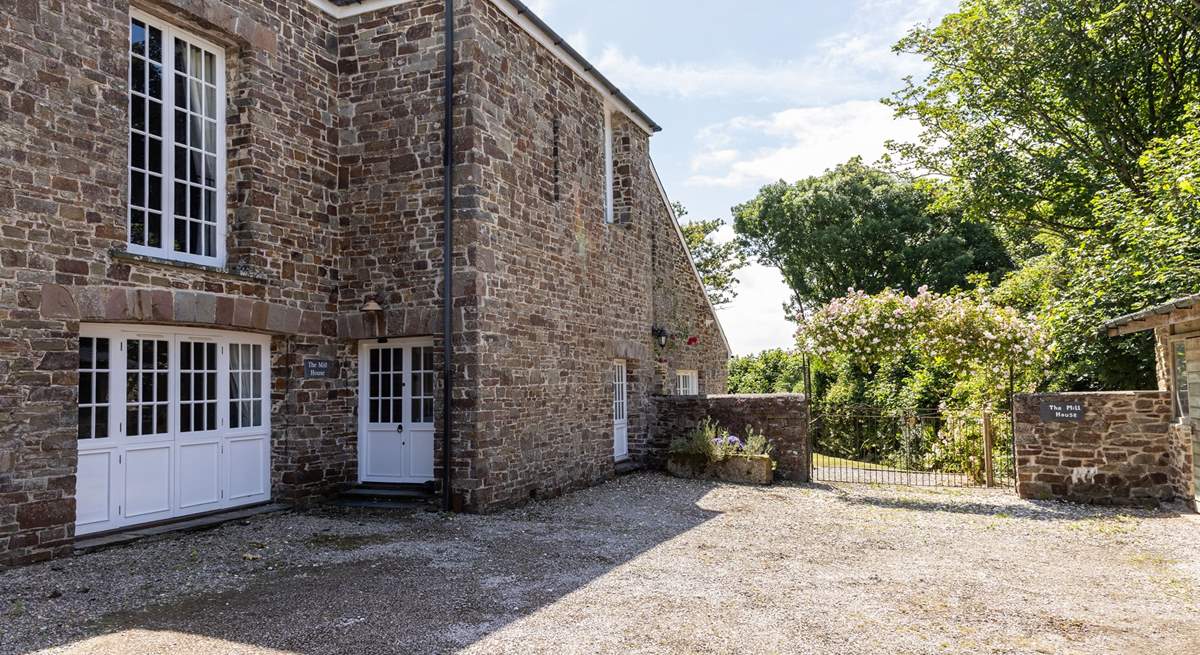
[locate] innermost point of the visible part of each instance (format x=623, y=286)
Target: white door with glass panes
x=396, y=411
x=172, y=422
x=620, y=409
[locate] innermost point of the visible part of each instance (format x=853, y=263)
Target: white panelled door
x=620, y=410
x=396, y=413
x=172, y=422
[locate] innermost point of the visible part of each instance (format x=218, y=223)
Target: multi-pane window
x=620, y=410
x=687, y=383
x=152, y=387
x=147, y=362
x=197, y=386
x=609, y=191
x=1179, y=362
x=422, y=385
x=386, y=382
x=245, y=385
x=93, y=388
x=176, y=144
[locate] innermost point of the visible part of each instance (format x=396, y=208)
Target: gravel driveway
x=645, y=564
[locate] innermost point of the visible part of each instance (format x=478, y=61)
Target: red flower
x=693, y=341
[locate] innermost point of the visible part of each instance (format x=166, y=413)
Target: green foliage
x=771, y=371
x=1032, y=107
x=757, y=444
x=713, y=443
x=1150, y=255
x=1066, y=125
x=716, y=262
x=700, y=442
x=964, y=340
x=858, y=226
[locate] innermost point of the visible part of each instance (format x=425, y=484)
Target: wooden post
x=989, y=472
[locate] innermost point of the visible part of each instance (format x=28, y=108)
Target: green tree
x=1034, y=106
x=861, y=227
x=771, y=371
x=716, y=262
x=1152, y=255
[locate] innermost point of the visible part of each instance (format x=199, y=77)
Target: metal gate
x=926, y=448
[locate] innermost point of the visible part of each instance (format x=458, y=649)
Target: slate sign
x=1062, y=412
x=319, y=368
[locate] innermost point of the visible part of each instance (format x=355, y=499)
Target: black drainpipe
x=448, y=259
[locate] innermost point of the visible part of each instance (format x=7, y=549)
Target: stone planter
x=746, y=470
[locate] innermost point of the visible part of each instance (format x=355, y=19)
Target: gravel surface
x=645, y=564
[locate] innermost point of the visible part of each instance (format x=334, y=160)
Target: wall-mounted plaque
x=1062, y=412
x=319, y=369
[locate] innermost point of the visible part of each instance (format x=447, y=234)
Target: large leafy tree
x=1034, y=106
x=717, y=262
x=861, y=227
x=1152, y=254
x=1067, y=123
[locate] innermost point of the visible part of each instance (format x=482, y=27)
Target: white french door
x=172, y=422
x=396, y=411
x=620, y=407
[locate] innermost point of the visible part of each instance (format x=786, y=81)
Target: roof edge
x=662, y=189
x=524, y=17
x=1186, y=302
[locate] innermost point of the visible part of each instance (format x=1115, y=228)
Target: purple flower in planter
x=734, y=441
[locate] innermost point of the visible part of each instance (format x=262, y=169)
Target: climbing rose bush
x=961, y=329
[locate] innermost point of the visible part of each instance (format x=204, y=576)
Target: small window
x=1180, y=369
x=687, y=383
x=609, y=193
x=93, y=387
x=176, y=144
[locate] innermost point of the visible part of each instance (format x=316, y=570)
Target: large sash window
x=176, y=144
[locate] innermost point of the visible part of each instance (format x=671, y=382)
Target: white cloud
x=804, y=141
x=755, y=321
x=788, y=80
x=540, y=7
x=846, y=65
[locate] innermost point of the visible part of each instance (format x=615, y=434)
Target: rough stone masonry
x=1123, y=450
x=333, y=198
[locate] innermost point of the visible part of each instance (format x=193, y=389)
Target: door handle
x=399, y=427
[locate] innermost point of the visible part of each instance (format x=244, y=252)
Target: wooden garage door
x=171, y=423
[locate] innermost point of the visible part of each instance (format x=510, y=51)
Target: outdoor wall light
x=661, y=335
x=371, y=306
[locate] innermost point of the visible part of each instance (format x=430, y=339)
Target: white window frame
x=118, y=445
x=117, y=336
x=1182, y=412
x=609, y=174
x=167, y=250
x=687, y=383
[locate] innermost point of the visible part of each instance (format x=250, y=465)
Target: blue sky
x=747, y=93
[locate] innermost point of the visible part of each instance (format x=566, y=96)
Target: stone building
x=222, y=281
x=1122, y=447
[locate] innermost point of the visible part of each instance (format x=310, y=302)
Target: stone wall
x=334, y=197
x=563, y=293
x=1122, y=452
x=63, y=187
x=783, y=418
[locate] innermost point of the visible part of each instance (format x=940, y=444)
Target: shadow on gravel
x=1039, y=510
x=442, y=587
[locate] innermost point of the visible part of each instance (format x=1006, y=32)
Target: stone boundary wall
x=1123, y=452
x=782, y=417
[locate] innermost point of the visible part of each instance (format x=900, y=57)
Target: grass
x=828, y=461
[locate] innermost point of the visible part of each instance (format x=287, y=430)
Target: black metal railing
x=928, y=448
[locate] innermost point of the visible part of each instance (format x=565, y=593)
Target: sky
x=749, y=93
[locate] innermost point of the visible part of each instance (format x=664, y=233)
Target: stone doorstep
x=90, y=543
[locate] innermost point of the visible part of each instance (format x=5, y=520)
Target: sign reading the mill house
x=1060, y=412
x=319, y=369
